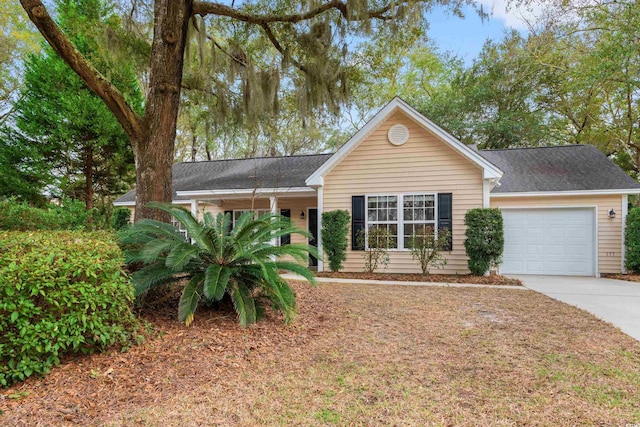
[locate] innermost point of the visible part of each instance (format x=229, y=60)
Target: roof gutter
x=567, y=193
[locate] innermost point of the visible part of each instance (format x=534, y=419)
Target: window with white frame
x=178, y=225
x=418, y=216
x=382, y=213
x=403, y=216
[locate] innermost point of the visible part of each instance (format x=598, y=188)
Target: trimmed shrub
x=485, y=239
x=335, y=226
x=632, y=240
x=120, y=218
x=61, y=293
x=20, y=216
x=426, y=248
x=376, y=252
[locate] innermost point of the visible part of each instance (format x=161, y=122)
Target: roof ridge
x=538, y=148
x=256, y=158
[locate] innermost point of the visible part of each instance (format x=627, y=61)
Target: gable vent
x=398, y=134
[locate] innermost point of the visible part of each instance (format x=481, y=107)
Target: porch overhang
x=242, y=193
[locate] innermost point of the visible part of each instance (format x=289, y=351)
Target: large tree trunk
x=154, y=150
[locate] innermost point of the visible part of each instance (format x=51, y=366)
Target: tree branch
x=111, y=96
x=210, y=8
x=278, y=46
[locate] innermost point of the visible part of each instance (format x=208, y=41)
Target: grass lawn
x=358, y=355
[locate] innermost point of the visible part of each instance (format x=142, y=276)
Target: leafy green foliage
x=61, y=293
x=85, y=147
x=376, y=252
x=632, y=240
x=426, y=248
x=485, y=239
x=20, y=216
x=243, y=263
x=25, y=171
x=120, y=218
x=335, y=226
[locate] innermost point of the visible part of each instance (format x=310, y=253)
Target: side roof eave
x=489, y=170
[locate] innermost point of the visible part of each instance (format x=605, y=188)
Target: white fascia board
x=133, y=204
x=568, y=193
x=490, y=171
x=246, y=191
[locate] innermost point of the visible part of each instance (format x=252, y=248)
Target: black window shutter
x=286, y=239
x=358, y=214
x=445, y=216
x=230, y=213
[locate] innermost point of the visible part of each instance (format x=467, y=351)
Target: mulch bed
x=441, y=278
x=627, y=277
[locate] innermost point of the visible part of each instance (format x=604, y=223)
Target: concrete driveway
x=615, y=301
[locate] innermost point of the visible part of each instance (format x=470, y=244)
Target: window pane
x=393, y=201
x=372, y=215
x=408, y=229
x=429, y=201
x=408, y=201
x=393, y=214
x=430, y=215
x=382, y=214
x=408, y=214
x=418, y=215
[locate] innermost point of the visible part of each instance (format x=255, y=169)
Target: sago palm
x=216, y=259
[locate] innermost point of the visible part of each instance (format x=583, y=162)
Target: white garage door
x=558, y=241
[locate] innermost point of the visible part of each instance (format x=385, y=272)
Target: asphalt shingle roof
x=261, y=172
x=560, y=168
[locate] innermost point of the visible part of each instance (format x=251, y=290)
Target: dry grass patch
x=359, y=355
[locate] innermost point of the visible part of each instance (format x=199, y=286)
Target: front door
x=313, y=229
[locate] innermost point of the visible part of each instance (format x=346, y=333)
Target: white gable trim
x=489, y=170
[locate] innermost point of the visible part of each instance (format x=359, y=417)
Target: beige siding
x=609, y=230
x=423, y=164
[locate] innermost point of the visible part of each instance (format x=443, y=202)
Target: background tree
x=303, y=46
x=85, y=147
x=17, y=38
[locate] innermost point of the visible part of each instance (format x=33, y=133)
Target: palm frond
x=150, y=276
x=244, y=303
x=189, y=299
x=215, y=281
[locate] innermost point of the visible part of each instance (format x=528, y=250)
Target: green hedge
x=485, y=239
x=335, y=226
x=61, y=293
x=632, y=240
x=19, y=216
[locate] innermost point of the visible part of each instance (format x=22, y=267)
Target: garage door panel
x=558, y=241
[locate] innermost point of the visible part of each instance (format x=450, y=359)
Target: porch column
x=194, y=208
x=320, y=210
x=273, y=205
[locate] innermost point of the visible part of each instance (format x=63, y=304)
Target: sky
x=465, y=37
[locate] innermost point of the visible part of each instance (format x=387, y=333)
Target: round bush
x=60, y=293
x=485, y=239
x=335, y=226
